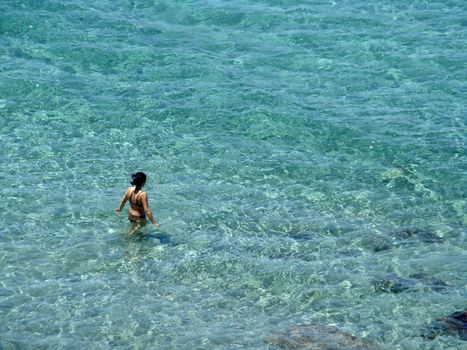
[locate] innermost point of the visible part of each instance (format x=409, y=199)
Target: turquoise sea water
x=298, y=152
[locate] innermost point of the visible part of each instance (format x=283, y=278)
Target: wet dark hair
x=138, y=179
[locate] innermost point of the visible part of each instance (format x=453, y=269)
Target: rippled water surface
x=305, y=159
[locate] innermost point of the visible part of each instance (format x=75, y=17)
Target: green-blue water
x=297, y=152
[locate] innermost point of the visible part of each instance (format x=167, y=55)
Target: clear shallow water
x=287, y=145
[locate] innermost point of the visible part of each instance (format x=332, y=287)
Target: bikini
x=136, y=218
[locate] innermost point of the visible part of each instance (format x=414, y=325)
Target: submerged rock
x=419, y=234
x=393, y=284
x=319, y=337
x=400, y=237
x=455, y=324
x=397, y=284
x=430, y=282
x=377, y=243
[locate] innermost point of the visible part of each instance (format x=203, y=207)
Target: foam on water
x=297, y=152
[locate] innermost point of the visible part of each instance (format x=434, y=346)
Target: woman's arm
x=148, y=212
x=122, y=202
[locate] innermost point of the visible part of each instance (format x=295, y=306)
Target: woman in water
x=139, y=206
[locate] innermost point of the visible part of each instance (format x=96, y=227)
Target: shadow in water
x=147, y=235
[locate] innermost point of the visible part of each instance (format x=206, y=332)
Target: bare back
x=136, y=198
